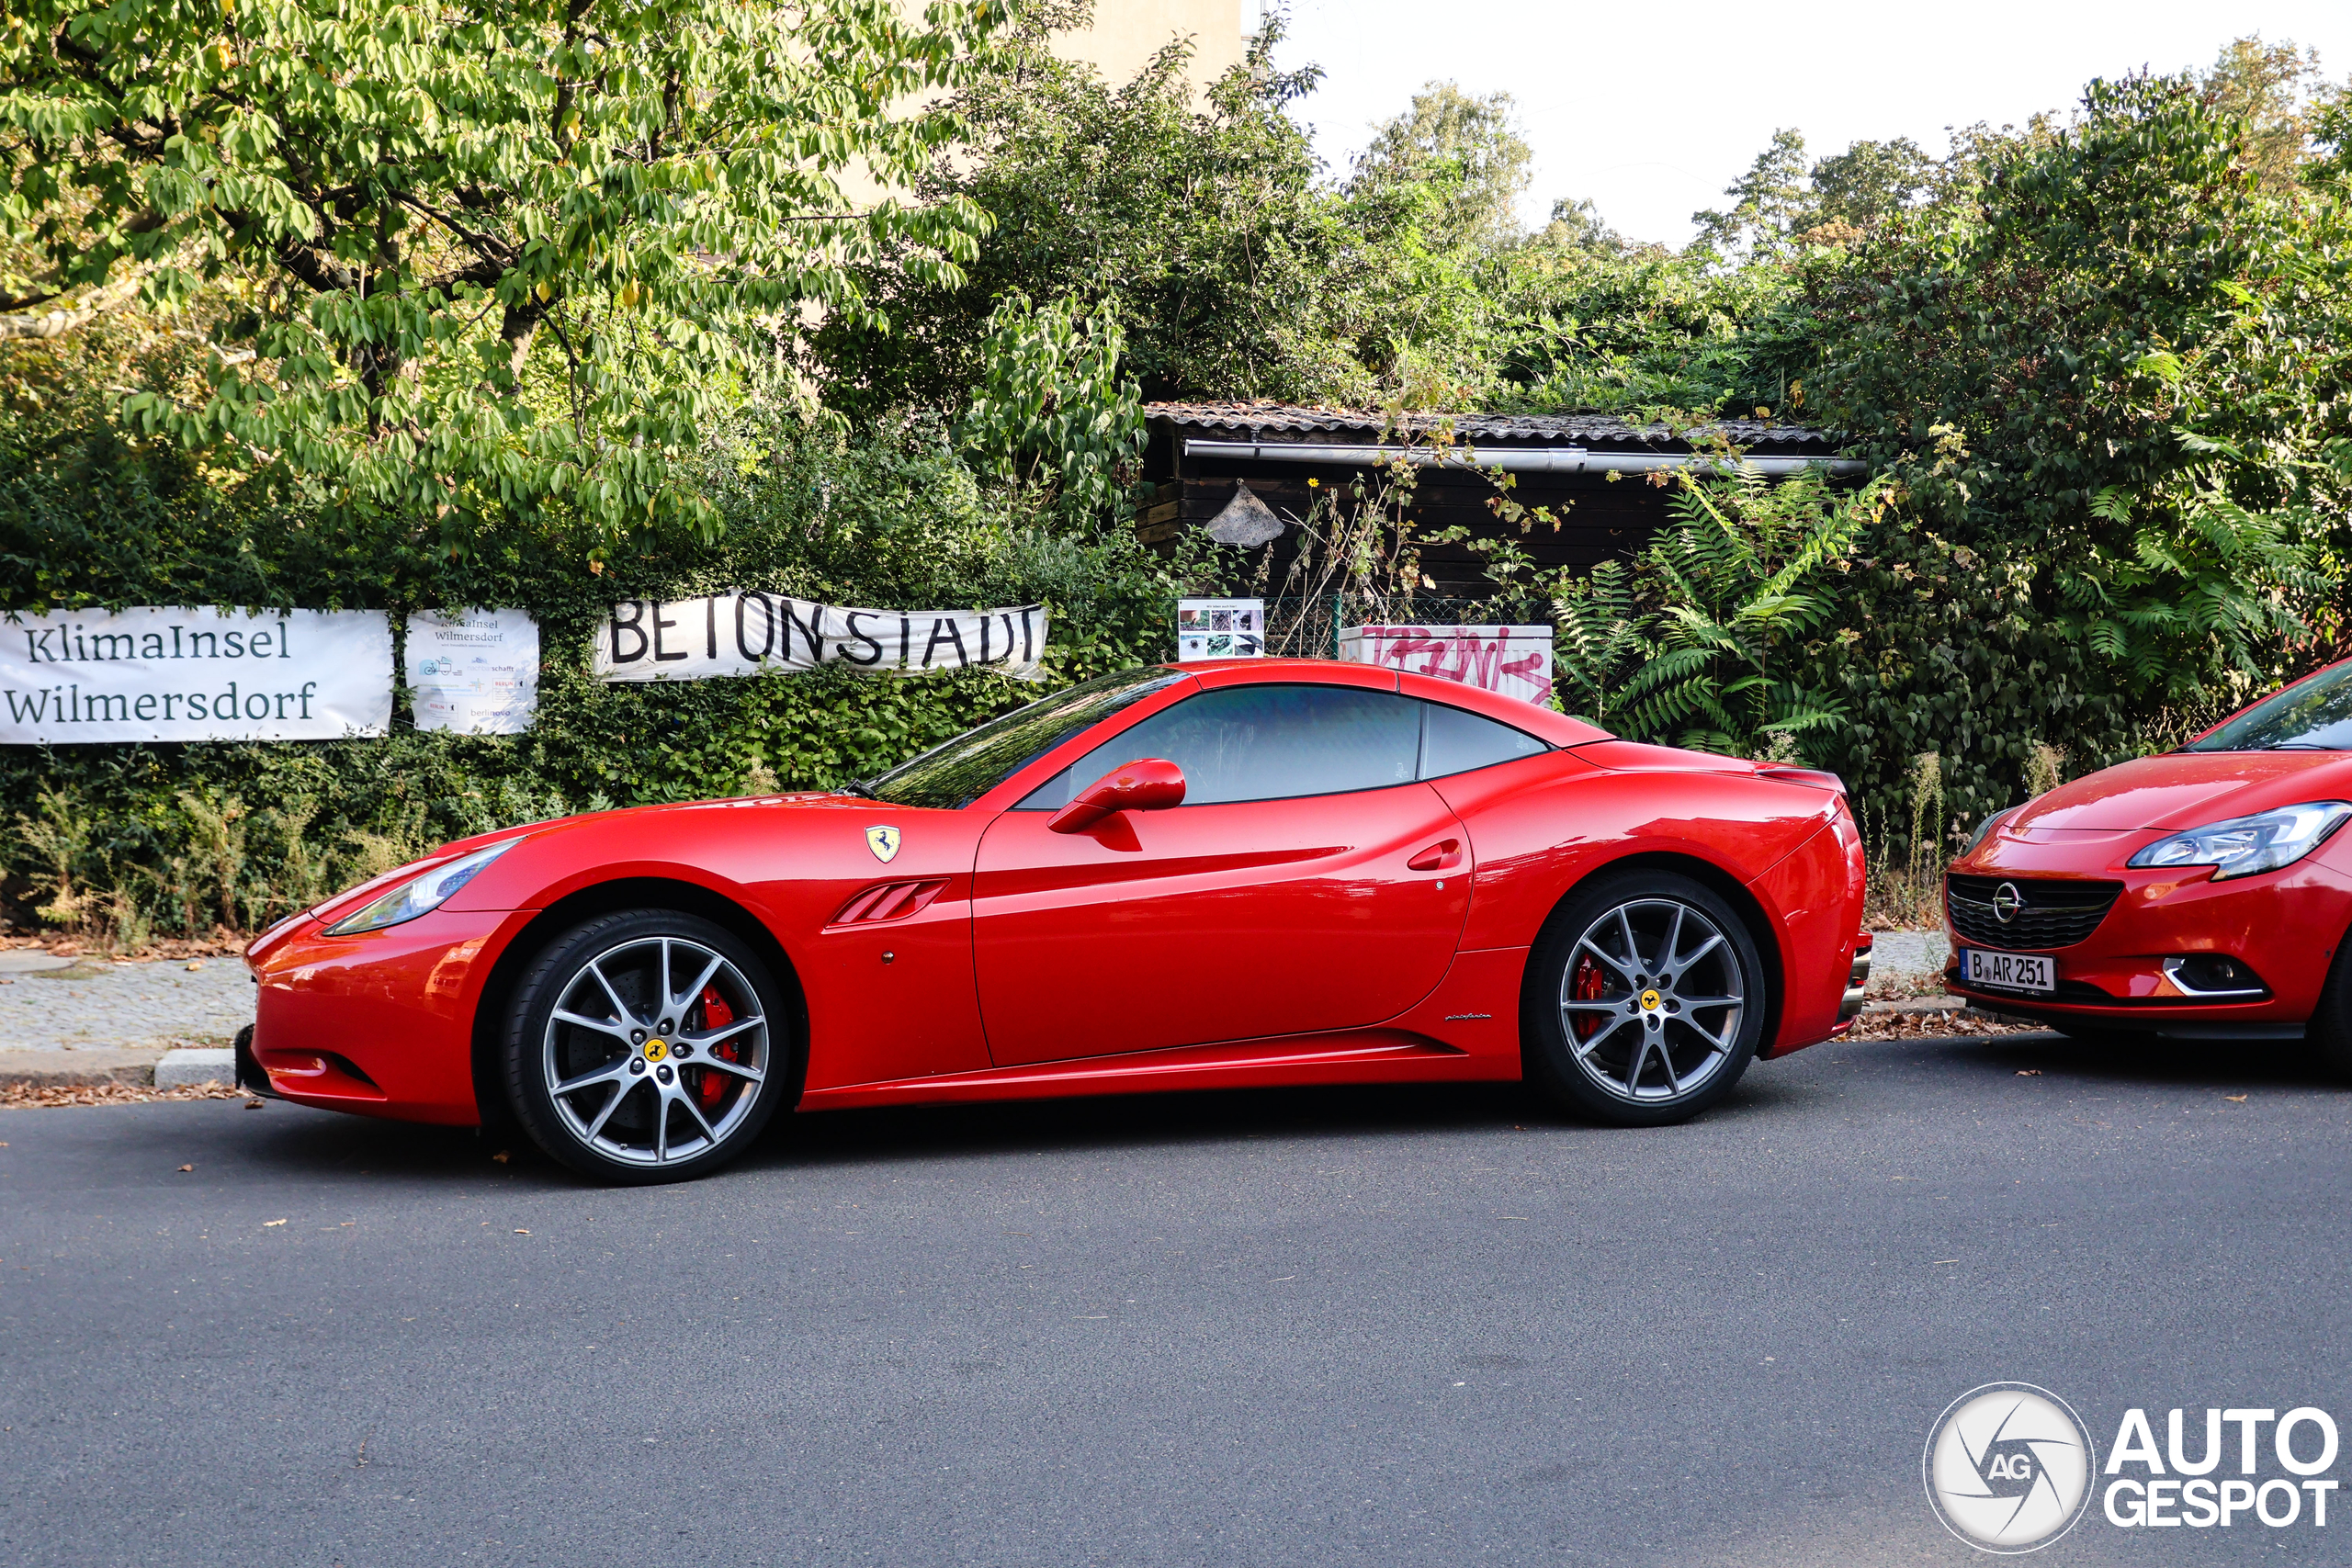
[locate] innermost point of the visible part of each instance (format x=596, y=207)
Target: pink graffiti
x=1459, y=654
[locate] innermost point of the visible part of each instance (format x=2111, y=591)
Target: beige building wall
x=1126, y=34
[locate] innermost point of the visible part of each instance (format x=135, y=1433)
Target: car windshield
x=950, y=777
x=2314, y=715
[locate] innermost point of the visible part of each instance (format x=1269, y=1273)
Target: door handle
x=1444, y=855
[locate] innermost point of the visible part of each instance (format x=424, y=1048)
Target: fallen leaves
x=187, y=1167
x=2028, y=1072
x=267, y=1225
x=2235, y=1098
x=521, y=1232
x=1930, y=1026
x=37, y=1097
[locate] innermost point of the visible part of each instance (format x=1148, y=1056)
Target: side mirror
x=1148, y=783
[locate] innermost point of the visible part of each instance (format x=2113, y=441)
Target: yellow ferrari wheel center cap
x=656, y=1049
x=1649, y=1002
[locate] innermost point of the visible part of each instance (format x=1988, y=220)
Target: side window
x=1455, y=742
x=1268, y=742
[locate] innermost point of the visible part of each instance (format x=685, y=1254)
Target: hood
x=2187, y=789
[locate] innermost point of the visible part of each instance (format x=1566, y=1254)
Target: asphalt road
x=1378, y=1327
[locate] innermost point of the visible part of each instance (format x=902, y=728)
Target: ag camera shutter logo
x=2008, y=1467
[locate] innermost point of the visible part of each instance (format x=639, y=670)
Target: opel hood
x=2187, y=789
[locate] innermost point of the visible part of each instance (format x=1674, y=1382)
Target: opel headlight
x=2244, y=845
x=420, y=895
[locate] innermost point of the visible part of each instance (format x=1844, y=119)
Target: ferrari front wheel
x=1645, y=1001
x=644, y=1047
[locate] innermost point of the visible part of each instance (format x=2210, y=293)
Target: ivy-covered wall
x=131, y=840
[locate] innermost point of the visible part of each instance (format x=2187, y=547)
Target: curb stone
x=189, y=1065
x=64, y=1069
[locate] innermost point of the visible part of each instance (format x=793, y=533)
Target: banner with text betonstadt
x=195, y=674
x=743, y=633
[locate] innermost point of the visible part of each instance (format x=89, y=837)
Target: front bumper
x=380, y=1023
x=2128, y=974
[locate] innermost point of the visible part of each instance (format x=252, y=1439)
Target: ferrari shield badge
x=883, y=841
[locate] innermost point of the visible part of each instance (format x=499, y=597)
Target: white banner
x=201, y=674
x=474, y=672
x=743, y=633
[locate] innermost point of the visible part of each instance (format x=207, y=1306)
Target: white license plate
x=2007, y=971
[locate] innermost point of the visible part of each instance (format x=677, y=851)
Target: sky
x=1651, y=111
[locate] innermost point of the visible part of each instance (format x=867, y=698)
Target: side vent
x=890, y=901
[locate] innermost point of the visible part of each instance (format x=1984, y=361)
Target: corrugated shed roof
x=1554, y=429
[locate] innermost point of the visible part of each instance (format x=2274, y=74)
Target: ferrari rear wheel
x=1645, y=1001
x=646, y=1047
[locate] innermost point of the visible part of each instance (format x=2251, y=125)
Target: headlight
x=1986, y=828
x=420, y=895
x=2244, y=845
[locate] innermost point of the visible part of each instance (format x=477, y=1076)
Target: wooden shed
x=1595, y=472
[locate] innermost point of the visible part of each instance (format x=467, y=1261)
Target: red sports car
x=1252, y=872
x=2203, y=893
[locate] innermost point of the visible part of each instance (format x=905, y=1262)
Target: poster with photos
x=1220, y=629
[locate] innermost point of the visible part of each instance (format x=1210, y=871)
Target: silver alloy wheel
x=647, y=1071
x=1651, y=1000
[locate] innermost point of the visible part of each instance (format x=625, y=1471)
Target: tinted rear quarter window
x=1456, y=742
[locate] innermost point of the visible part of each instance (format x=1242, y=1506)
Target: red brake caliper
x=1591, y=984
x=716, y=1014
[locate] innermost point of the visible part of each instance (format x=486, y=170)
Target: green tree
x=1780, y=201
x=2267, y=85
x=1054, y=412
x=484, y=259
x=1577, y=225
x=1769, y=197
x=1469, y=149
x=2113, y=384
x=1867, y=183
x=1203, y=228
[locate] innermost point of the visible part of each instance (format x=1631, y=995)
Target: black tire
x=1593, y=1038
x=2329, y=1033
x=661, y=1091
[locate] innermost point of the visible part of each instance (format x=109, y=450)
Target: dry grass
x=218, y=943
x=1895, y=899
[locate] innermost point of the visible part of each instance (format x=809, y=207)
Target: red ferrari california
x=2203, y=893
x=1254, y=873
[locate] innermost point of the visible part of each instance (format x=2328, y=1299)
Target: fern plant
x=1698, y=639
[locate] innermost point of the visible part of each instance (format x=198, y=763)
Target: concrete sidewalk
x=80, y=1021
